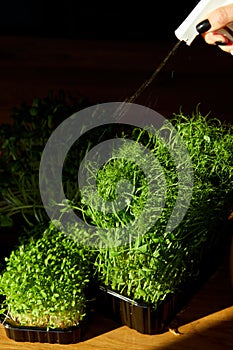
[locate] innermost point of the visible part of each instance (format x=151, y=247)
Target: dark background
x=144, y=20
x=51, y=45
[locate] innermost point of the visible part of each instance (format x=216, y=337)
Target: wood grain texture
x=205, y=322
x=112, y=71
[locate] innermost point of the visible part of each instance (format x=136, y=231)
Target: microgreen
x=152, y=266
x=22, y=142
x=45, y=281
x=146, y=267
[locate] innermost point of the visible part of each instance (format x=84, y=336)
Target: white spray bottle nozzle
x=187, y=30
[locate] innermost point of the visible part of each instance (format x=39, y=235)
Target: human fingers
x=218, y=28
x=221, y=17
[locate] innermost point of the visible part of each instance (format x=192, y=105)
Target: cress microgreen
x=151, y=266
x=45, y=281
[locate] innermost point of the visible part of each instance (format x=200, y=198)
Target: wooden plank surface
x=205, y=322
x=112, y=71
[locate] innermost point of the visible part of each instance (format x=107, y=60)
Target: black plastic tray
x=42, y=335
x=143, y=318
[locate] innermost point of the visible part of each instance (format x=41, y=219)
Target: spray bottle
x=187, y=30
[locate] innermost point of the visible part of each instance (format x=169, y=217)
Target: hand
x=219, y=28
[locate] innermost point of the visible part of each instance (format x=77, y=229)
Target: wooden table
x=112, y=71
x=206, y=322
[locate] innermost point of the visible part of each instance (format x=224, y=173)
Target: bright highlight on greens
x=146, y=267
